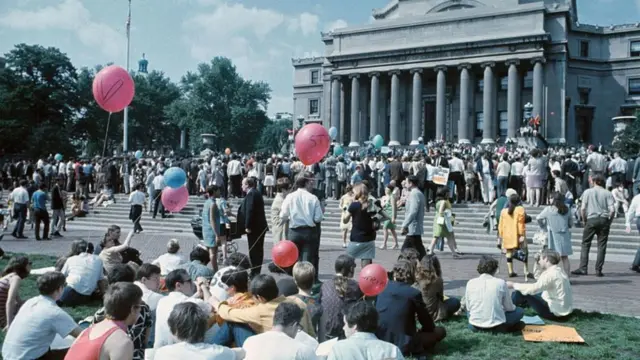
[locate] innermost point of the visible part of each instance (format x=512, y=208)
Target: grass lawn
x=606, y=336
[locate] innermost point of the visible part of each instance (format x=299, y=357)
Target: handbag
x=521, y=254
x=540, y=238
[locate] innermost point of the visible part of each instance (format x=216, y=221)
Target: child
x=304, y=276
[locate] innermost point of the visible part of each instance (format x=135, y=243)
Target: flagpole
x=125, y=126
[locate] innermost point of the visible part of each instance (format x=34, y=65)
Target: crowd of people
x=173, y=307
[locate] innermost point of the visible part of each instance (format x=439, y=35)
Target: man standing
x=57, y=208
x=234, y=171
x=456, y=176
x=598, y=207
x=158, y=186
x=251, y=214
x=20, y=199
x=41, y=214
x=413, y=226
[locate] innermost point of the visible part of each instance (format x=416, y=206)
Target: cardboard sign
x=551, y=333
x=440, y=176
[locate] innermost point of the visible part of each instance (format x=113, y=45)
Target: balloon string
x=106, y=135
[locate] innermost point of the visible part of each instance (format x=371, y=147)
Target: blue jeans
x=20, y=212
x=452, y=305
x=70, y=297
x=231, y=332
x=636, y=260
x=512, y=318
x=502, y=185
x=536, y=302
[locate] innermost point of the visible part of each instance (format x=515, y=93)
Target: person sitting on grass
x=429, y=282
x=85, y=277
x=399, y=305
x=235, y=262
x=197, y=267
x=551, y=296
x=16, y=270
x=108, y=339
x=38, y=322
x=170, y=260
x=360, y=326
x=148, y=280
x=304, y=275
x=139, y=331
x=489, y=306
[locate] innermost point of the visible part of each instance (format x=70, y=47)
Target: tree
x=274, y=136
x=38, y=99
x=627, y=142
x=218, y=100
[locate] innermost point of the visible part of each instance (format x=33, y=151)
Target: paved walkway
x=615, y=293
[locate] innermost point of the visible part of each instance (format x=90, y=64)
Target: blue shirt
x=87, y=169
x=39, y=200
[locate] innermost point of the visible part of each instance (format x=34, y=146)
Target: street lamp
x=125, y=126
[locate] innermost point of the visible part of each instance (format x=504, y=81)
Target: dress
x=438, y=229
x=208, y=235
x=558, y=230
x=388, y=209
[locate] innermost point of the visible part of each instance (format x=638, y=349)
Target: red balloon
x=113, y=88
x=176, y=199
x=373, y=279
x=284, y=253
x=312, y=143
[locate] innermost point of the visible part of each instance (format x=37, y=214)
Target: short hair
x=283, y=184
x=200, y=254
x=363, y=315
x=147, y=271
x=487, y=265
x=238, y=278
x=303, y=179
x=188, y=322
x=50, y=282
x=412, y=179
x=552, y=256
x=212, y=189
x=17, y=265
x=265, y=286
x=173, y=246
x=119, y=298
x=174, y=277
x=121, y=273
x=238, y=260
x=251, y=181
x=287, y=314
x=598, y=180
x=304, y=275
x=79, y=247
x=404, y=271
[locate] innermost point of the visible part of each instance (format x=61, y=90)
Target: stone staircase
x=471, y=236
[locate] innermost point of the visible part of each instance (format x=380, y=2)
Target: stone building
x=467, y=70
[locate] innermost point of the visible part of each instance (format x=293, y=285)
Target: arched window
x=456, y=7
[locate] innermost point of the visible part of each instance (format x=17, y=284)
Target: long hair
x=558, y=202
x=514, y=201
x=344, y=267
x=17, y=265
x=428, y=270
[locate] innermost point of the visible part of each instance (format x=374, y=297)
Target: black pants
x=41, y=216
x=20, y=214
x=135, y=214
x=256, y=251
x=236, y=185
x=594, y=227
x=414, y=242
x=458, y=179
x=307, y=240
x=157, y=203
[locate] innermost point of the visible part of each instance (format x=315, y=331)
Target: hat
x=510, y=192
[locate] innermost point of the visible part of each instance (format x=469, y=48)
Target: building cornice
x=308, y=86
x=317, y=60
x=604, y=30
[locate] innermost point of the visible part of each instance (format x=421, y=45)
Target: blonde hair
x=173, y=246
x=361, y=192
x=304, y=274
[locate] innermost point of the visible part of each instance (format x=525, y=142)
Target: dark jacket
x=480, y=170
x=398, y=306
x=251, y=212
x=57, y=202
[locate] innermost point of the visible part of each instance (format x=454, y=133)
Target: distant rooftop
x=610, y=29
x=308, y=61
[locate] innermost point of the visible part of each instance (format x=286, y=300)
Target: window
x=584, y=96
x=634, y=86
x=480, y=85
x=314, y=108
x=315, y=76
x=584, y=49
x=635, y=48
x=504, y=83
x=479, y=124
x=504, y=124
x=528, y=80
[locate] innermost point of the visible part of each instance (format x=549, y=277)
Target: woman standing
x=269, y=179
x=512, y=231
x=390, y=208
x=279, y=228
x=224, y=210
x=345, y=202
x=211, y=225
x=536, y=169
x=556, y=219
x=17, y=269
x=363, y=231
x=634, y=214
x=443, y=222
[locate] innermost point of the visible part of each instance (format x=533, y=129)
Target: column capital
x=488, y=64
x=464, y=66
x=354, y=76
x=374, y=74
x=336, y=77
x=512, y=62
x=540, y=59
x=395, y=72
x=413, y=71
x=439, y=68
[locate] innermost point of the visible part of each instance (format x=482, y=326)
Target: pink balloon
x=175, y=200
x=284, y=253
x=113, y=88
x=312, y=143
x=373, y=279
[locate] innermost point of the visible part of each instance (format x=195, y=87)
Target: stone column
x=375, y=107
x=512, y=99
x=488, y=132
x=183, y=139
x=335, y=105
x=416, y=107
x=538, y=80
x=441, y=102
x=465, y=105
x=355, y=110
x=394, y=119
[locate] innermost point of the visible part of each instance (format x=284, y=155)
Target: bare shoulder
x=117, y=346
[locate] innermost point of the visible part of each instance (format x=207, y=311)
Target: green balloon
x=338, y=150
x=378, y=141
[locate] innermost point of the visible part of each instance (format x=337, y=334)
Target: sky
x=259, y=36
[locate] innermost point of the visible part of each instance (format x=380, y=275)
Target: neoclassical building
x=469, y=71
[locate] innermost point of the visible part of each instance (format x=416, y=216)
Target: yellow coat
x=510, y=228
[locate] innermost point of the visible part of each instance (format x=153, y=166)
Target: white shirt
x=163, y=334
x=218, y=288
x=137, y=198
x=234, y=168
x=83, y=272
x=503, y=169
x=151, y=298
x=364, y=346
x=618, y=165
x=276, y=345
x=200, y=351
x=158, y=182
x=633, y=211
x=168, y=263
x=456, y=165
x=19, y=195
x=61, y=168
x=301, y=208
x=555, y=287
x=517, y=168
x=487, y=298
